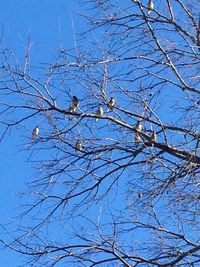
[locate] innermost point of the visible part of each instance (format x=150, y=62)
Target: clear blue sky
x=48, y=23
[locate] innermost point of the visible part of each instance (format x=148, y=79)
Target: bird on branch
x=138, y=126
x=35, y=132
x=79, y=146
x=137, y=138
x=153, y=138
x=150, y=7
x=99, y=113
x=75, y=103
x=111, y=104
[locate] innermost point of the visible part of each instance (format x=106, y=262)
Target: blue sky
x=48, y=24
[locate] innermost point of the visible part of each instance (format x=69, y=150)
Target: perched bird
x=153, y=138
x=137, y=138
x=35, y=132
x=150, y=7
x=99, y=113
x=75, y=103
x=111, y=103
x=138, y=126
x=79, y=145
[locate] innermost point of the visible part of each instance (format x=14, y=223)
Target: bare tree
x=112, y=131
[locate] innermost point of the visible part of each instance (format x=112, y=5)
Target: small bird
x=99, y=113
x=79, y=145
x=75, y=103
x=138, y=126
x=150, y=7
x=111, y=103
x=35, y=132
x=137, y=138
x=153, y=138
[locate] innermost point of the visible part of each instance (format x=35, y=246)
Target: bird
x=35, y=132
x=153, y=138
x=75, y=103
x=138, y=126
x=99, y=113
x=150, y=7
x=137, y=138
x=79, y=145
x=111, y=103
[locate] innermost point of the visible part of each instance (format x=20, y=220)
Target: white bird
x=35, y=132
x=79, y=145
x=99, y=113
x=137, y=138
x=153, y=138
x=150, y=7
x=111, y=103
x=75, y=103
x=138, y=126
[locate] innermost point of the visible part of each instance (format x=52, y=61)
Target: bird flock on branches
x=111, y=104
